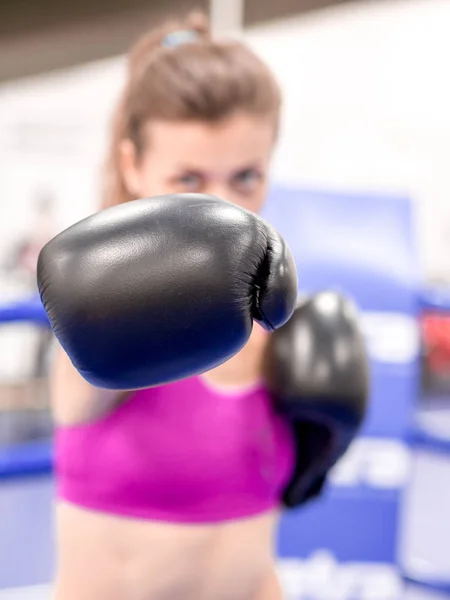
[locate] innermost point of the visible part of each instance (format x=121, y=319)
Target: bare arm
x=73, y=399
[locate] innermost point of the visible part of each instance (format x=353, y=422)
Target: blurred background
x=363, y=162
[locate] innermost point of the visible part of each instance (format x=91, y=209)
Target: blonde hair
x=179, y=72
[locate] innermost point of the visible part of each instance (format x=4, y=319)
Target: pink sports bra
x=183, y=452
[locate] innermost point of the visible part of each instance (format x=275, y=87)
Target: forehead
x=232, y=142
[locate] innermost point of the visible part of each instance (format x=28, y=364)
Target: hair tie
x=177, y=38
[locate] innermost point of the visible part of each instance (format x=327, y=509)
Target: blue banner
x=365, y=246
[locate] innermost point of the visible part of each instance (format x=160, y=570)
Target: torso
x=102, y=557
x=107, y=555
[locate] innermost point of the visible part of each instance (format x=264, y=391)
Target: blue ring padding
x=28, y=310
x=30, y=458
x=435, y=586
x=435, y=298
x=418, y=438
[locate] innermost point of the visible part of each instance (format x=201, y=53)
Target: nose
x=220, y=190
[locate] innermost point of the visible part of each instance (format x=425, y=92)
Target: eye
x=247, y=181
x=190, y=182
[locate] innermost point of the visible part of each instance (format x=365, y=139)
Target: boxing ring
x=367, y=536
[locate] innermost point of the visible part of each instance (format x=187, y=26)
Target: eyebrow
x=192, y=169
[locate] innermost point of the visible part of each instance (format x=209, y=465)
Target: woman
x=196, y=115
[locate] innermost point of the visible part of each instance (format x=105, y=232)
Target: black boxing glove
x=316, y=367
x=156, y=290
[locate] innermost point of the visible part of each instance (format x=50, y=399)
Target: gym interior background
x=365, y=143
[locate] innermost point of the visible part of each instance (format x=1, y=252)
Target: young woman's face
x=229, y=159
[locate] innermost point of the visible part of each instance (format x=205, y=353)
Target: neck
x=244, y=369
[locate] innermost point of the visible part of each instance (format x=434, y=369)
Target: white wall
x=52, y=136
